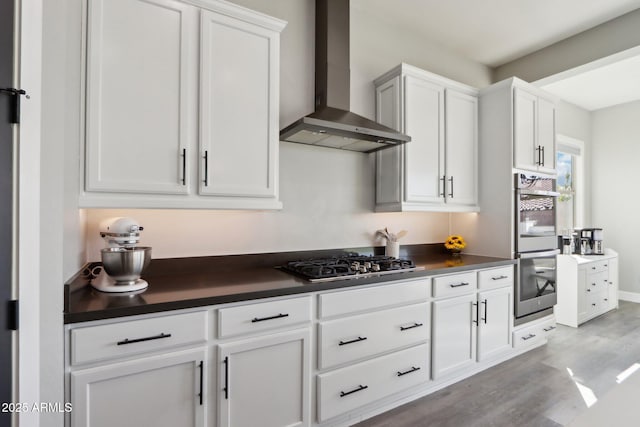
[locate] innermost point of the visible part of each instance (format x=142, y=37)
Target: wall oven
x=536, y=243
x=536, y=282
x=536, y=202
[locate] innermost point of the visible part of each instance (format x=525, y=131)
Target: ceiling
x=495, y=32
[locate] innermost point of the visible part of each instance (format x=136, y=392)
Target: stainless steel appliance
x=590, y=241
x=123, y=261
x=536, y=244
x=535, y=199
x=536, y=285
x=349, y=266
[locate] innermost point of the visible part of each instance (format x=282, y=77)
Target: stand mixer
x=122, y=260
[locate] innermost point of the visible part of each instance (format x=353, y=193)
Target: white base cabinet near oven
x=471, y=326
x=264, y=381
x=157, y=391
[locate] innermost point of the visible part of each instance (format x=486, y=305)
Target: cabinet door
x=525, y=153
x=389, y=161
x=239, y=101
x=159, y=391
x=494, y=325
x=547, y=135
x=424, y=155
x=613, y=283
x=454, y=334
x=141, y=72
x=583, y=294
x=265, y=381
x=461, y=134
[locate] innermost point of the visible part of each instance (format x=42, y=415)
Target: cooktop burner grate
x=348, y=266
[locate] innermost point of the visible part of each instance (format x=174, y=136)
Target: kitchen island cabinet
x=438, y=169
x=181, y=106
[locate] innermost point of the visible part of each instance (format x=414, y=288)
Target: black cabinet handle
x=475, y=304
x=500, y=277
x=542, y=155
x=360, y=388
x=459, y=284
x=485, y=311
x=206, y=168
x=413, y=369
x=184, y=166
x=226, y=377
x=528, y=337
x=451, y=187
x=550, y=328
x=352, y=341
x=588, y=290
x=155, y=337
x=201, y=366
x=415, y=325
x=262, y=319
x=443, y=179
x=593, y=304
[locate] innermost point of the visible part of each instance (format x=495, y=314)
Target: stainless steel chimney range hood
x=332, y=124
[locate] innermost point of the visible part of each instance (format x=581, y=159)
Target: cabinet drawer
x=597, y=282
x=356, y=337
x=94, y=343
x=345, y=302
x=495, y=278
x=250, y=318
x=598, y=266
x=533, y=334
x=345, y=389
x=454, y=284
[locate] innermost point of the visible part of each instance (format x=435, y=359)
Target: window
x=569, y=163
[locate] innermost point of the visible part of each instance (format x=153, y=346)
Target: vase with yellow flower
x=455, y=244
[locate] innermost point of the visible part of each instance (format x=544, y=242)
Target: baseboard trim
x=629, y=296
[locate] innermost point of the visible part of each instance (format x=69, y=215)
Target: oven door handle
x=539, y=192
x=529, y=255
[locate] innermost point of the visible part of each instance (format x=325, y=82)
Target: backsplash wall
x=328, y=198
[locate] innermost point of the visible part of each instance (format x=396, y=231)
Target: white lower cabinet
x=264, y=381
x=342, y=390
x=473, y=327
x=588, y=287
x=159, y=391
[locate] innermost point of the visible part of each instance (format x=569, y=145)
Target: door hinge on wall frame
x=14, y=112
x=12, y=315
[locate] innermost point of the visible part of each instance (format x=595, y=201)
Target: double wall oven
x=536, y=243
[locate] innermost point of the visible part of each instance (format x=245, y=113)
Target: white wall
x=615, y=154
x=328, y=195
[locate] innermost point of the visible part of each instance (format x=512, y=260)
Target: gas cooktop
x=349, y=266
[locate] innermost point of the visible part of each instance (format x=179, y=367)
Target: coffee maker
x=589, y=241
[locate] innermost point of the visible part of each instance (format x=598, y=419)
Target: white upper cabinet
x=140, y=76
x=437, y=169
x=534, y=130
x=181, y=106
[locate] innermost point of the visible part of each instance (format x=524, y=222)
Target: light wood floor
x=538, y=389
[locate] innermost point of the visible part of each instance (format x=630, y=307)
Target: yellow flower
x=455, y=242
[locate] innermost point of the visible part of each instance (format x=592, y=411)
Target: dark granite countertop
x=177, y=283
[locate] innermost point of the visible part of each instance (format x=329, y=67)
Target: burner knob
x=367, y=265
x=375, y=267
x=363, y=269
x=355, y=265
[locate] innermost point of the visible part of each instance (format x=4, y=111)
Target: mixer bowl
x=125, y=265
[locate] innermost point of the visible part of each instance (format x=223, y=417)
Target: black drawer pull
x=200, y=394
x=415, y=325
x=413, y=369
x=352, y=341
x=550, y=328
x=459, y=284
x=226, y=377
x=500, y=277
x=155, y=337
x=262, y=319
x=528, y=337
x=360, y=388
